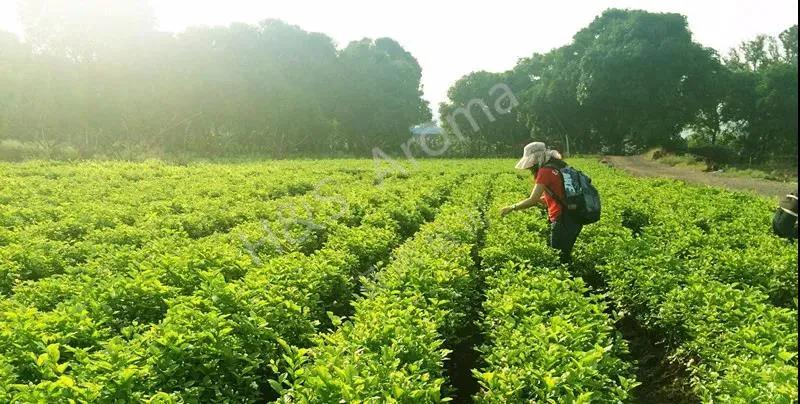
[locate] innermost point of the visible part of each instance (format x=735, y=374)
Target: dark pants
x=784, y=225
x=563, y=234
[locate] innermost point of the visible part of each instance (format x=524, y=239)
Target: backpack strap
x=789, y=212
x=556, y=197
x=553, y=194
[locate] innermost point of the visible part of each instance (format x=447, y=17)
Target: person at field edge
x=784, y=223
x=548, y=190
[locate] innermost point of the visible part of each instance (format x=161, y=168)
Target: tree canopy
x=111, y=84
x=632, y=80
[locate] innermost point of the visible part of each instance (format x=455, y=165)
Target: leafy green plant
x=153, y=296
x=393, y=349
x=716, y=286
x=545, y=339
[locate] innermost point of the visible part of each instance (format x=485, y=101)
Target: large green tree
x=758, y=105
x=628, y=81
x=550, y=105
x=89, y=29
x=481, y=114
x=642, y=78
x=381, y=95
x=100, y=78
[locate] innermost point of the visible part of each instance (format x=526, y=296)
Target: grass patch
x=772, y=175
x=766, y=171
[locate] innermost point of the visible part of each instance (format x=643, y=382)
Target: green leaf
x=54, y=352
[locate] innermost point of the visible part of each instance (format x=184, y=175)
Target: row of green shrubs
x=700, y=269
x=393, y=349
x=547, y=338
x=87, y=219
x=184, y=319
x=64, y=219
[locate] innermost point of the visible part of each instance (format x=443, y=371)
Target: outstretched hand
x=505, y=210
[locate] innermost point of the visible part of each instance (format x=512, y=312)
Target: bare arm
x=536, y=197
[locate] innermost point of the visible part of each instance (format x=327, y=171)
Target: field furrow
x=546, y=337
x=283, y=300
x=394, y=347
x=239, y=283
x=697, y=270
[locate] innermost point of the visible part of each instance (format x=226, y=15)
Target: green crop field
x=317, y=281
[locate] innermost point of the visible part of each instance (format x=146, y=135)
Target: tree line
x=112, y=85
x=634, y=80
x=97, y=83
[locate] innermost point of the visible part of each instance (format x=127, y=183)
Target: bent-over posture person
x=784, y=223
x=549, y=190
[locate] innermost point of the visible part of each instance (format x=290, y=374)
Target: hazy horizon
x=442, y=35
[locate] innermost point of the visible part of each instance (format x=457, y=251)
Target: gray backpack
x=582, y=201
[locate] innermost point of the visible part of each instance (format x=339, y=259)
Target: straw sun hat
x=536, y=153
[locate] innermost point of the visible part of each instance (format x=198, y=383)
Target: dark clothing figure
x=784, y=223
x=564, y=230
x=563, y=235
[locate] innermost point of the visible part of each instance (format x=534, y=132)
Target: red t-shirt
x=551, y=178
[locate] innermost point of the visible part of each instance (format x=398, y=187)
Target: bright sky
x=453, y=38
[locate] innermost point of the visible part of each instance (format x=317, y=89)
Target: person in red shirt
x=549, y=190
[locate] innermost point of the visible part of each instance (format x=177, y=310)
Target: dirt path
x=641, y=167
